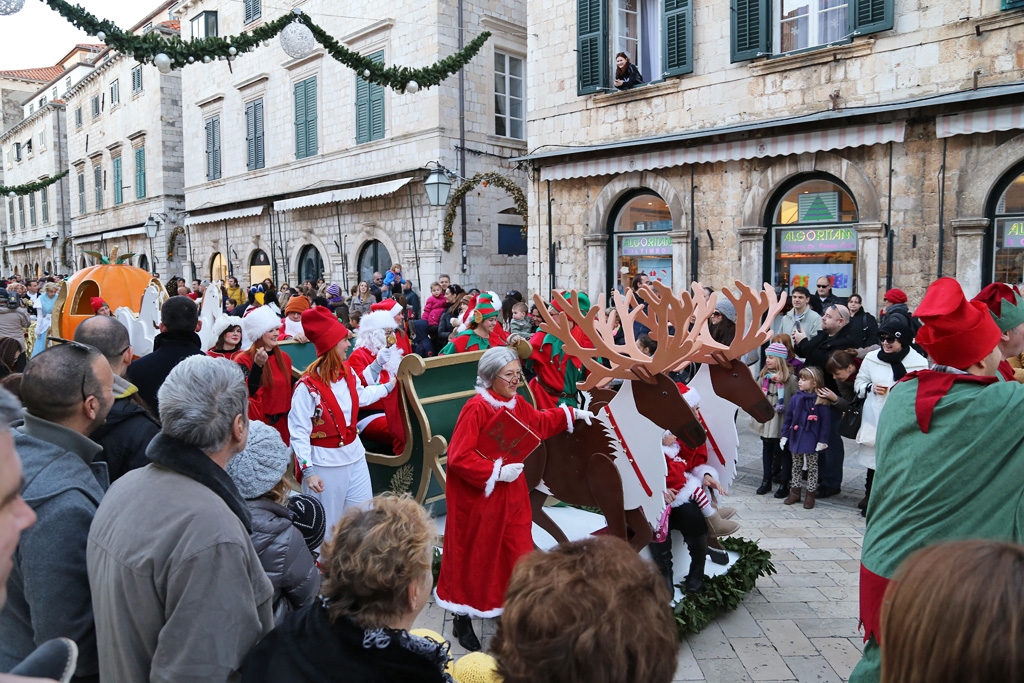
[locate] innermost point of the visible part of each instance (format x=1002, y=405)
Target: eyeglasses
x=512, y=378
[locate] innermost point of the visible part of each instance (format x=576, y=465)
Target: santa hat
x=296, y=304
x=258, y=323
x=389, y=305
x=377, y=320
x=1005, y=303
x=564, y=297
x=223, y=323
x=956, y=332
x=896, y=296
x=322, y=328
x=97, y=303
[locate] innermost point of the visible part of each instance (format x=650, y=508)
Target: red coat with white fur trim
x=489, y=524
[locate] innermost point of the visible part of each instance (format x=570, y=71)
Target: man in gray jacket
x=67, y=391
x=179, y=591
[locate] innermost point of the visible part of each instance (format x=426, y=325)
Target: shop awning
x=224, y=215
x=755, y=148
x=348, y=194
x=980, y=121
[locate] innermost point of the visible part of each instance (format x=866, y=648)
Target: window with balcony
x=508, y=96
x=204, y=25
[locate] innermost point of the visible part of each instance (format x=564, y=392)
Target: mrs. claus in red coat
x=489, y=523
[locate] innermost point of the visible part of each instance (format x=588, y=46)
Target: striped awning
x=224, y=215
x=755, y=148
x=981, y=121
x=348, y=194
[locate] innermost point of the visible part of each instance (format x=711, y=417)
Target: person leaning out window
x=627, y=75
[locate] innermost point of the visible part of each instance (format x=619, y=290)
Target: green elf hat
x=1005, y=303
x=564, y=297
x=484, y=309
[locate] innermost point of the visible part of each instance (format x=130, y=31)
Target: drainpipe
x=462, y=136
x=693, y=232
x=942, y=205
x=273, y=255
x=227, y=251
x=341, y=249
x=415, y=248
x=888, y=231
x=551, y=247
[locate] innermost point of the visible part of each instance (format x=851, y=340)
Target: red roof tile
x=44, y=74
x=175, y=25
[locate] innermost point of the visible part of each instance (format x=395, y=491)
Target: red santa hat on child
x=97, y=303
x=956, y=332
x=322, y=328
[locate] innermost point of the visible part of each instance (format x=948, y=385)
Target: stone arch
x=600, y=212
x=983, y=177
x=293, y=259
x=368, y=233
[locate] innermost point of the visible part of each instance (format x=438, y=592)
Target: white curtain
x=650, y=40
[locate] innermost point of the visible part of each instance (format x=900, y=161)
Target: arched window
x=259, y=267
x=373, y=257
x=811, y=234
x=49, y=267
x=83, y=262
x=1005, y=239
x=144, y=262
x=218, y=268
x=311, y=265
x=640, y=240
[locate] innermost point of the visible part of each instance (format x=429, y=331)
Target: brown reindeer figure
x=616, y=464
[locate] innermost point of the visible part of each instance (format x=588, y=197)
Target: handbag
x=849, y=425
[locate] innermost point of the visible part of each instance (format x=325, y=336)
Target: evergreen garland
x=172, y=241
x=504, y=182
x=146, y=47
x=29, y=188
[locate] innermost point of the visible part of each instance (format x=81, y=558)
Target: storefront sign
x=811, y=241
x=654, y=245
x=807, y=275
x=1011, y=230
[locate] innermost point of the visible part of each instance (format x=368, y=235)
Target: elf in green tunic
x=481, y=328
x=950, y=455
x=557, y=373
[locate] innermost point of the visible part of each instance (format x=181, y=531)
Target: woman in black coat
x=863, y=326
x=627, y=75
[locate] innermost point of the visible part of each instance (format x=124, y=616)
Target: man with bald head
x=129, y=427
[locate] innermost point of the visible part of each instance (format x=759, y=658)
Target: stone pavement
x=797, y=625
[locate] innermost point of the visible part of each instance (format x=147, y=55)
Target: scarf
x=896, y=361
x=774, y=379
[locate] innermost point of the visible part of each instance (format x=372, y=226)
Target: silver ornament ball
x=366, y=73
x=11, y=6
x=297, y=40
x=412, y=86
x=101, y=36
x=11, y=194
x=162, y=62
x=191, y=59
x=232, y=51
x=206, y=59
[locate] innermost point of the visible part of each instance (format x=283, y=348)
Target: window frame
x=115, y=92
x=255, y=138
x=136, y=79
x=213, y=149
x=813, y=27
x=140, y=172
x=204, y=19
x=507, y=77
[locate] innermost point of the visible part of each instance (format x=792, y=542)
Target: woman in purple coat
x=806, y=430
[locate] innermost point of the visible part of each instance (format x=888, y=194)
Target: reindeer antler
x=750, y=334
x=668, y=319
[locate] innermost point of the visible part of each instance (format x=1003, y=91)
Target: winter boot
x=794, y=496
x=661, y=553
x=462, y=628
x=809, y=500
x=783, y=491
x=698, y=547
x=718, y=556
x=726, y=513
x=863, y=504
x=765, y=487
x=720, y=527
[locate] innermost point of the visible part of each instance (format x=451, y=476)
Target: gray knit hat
x=725, y=307
x=259, y=467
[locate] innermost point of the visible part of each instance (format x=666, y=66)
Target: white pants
x=344, y=487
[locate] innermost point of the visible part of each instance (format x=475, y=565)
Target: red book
x=507, y=438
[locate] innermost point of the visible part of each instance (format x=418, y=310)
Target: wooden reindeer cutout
x=616, y=464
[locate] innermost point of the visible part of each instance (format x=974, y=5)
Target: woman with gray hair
x=489, y=523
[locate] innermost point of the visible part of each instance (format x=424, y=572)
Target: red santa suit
x=489, y=524
x=389, y=428
x=271, y=403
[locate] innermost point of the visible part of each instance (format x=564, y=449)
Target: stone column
x=680, y=264
x=751, y=255
x=869, y=238
x=597, y=264
x=969, y=234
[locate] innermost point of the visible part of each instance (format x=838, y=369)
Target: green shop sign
x=817, y=241
x=654, y=245
x=1012, y=232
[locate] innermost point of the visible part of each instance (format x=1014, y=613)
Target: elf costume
x=469, y=340
x=1006, y=305
x=557, y=372
x=941, y=428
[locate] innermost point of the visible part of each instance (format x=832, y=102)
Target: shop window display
x=641, y=240
x=1009, y=234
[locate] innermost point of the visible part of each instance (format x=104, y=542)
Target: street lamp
x=48, y=240
x=438, y=186
x=151, y=229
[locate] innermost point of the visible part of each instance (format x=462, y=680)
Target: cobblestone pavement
x=798, y=625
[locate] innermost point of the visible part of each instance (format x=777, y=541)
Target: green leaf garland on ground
x=723, y=593
x=29, y=188
x=504, y=182
x=146, y=47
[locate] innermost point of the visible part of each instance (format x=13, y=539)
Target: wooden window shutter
x=362, y=110
x=300, y=120
x=677, y=37
x=751, y=26
x=209, y=149
x=311, y=137
x=140, y=173
x=870, y=16
x=118, y=194
x=216, y=147
x=258, y=131
x=377, y=103
x=250, y=136
x=592, y=62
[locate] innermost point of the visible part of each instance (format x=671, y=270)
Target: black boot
x=718, y=556
x=783, y=491
x=661, y=553
x=463, y=630
x=863, y=504
x=698, y=547
x=765, y=487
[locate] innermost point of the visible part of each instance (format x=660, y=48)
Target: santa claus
x=375, y=360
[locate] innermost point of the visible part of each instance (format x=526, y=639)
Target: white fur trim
x=569, y=416
x=258, y=323
x=692, y=398
x=495, y=403
x=377, y=320
x=466, y=610
x=361, y=425
x=699, y=471
x=368, y=375
x=489, y=488
x=223, y=322
x=671, y=451
x=689, y=488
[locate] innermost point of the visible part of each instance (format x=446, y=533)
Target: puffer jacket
x=285, y=558
x=126, y=433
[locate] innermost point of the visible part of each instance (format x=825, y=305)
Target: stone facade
x=419, y=128
x=886, y=78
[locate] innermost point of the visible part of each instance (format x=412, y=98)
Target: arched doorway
x=373, y=257
x=311, y=264
x=639, y=239
x=218, y=268
x=811, y=235
x=83, y=262
x=144, y=262
x=1004, y=240
x=49, y=267
x=259, y=267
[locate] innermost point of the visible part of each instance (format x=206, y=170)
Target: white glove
x=820, y=447
x=509, y=473
x=584, y=415
x=383, y=356
x=782, y=442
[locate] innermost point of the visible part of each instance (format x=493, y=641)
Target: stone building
x=125, y=149
x=879, y=143
x=297, y=169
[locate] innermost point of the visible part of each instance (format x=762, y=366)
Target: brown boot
x=794, y=496
x=809, y=500
x=720, y=527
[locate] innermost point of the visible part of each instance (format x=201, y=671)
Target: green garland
x=146, y=47
x=172, y=240
x=724, y=592
x=29, y=188
x=504, y=182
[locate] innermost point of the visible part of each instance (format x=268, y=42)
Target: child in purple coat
x=805, y=430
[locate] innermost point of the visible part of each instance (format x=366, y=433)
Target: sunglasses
x=81, y=347
x=887, y=338
x=824, y=286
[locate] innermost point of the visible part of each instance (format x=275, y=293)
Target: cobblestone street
x=798, y=625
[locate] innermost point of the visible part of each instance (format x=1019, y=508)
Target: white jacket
x=876, y=372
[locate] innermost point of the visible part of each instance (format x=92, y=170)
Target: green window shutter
x=97, y=179
x=300, y=120
x=870, y=16
x=592, y=62
x=250, y=136
x=216, y=147
x=118, y=193
x=311, y=141
x=258, y=131
x=21, y=210
x=213, y=148
x=1012, y=4
x=751, y=26
x=81, y=194
x=32, y=209
x=676, y=37
x=362, y=110
x=140, y=173
x=10, y=208
x=44, y=196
